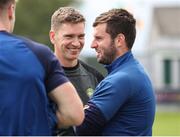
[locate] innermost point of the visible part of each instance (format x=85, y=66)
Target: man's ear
x=52, y=36
x=11, y=11
x=120, y=39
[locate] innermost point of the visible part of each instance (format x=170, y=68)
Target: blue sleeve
x=110, y=95
x=54, y=73
x=93, y=123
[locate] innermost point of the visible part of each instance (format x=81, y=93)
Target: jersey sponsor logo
x=89, y=92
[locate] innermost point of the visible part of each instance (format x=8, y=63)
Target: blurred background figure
x=30, y=75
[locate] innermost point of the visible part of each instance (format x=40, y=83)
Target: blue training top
x=123, y=104
x=28, y=72
x=126, y=98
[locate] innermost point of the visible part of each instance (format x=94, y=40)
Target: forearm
x=69, y=106
x=93, y=123
x=64, y=120
x=71, y=116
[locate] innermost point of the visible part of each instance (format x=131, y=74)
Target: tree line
x=33, y=18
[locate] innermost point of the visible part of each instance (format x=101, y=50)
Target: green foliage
x=33, y=18
x=167, y=124
x=98, y=66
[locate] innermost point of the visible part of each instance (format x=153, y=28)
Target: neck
x=2, y=28
x=4, y=24
x=68, y=63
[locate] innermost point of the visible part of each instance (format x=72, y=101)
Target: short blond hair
x=65, y=15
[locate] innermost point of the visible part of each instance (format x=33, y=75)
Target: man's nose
x=76, y=42
x=94, y=44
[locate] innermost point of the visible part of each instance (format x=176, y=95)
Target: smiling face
x=104, y=45
x=68, y=42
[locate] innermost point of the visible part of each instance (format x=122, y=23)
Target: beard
x=109, y=54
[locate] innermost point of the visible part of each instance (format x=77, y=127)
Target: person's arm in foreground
x=93, y=123
x=70, y=108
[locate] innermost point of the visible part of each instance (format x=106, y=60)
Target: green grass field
x=167, y=124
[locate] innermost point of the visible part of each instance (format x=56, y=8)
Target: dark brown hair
x=119, y=21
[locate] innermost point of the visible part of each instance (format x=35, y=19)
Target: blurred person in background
x=30, y=75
